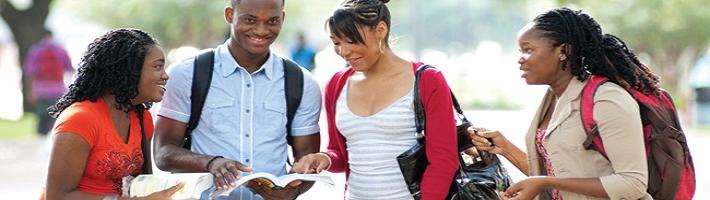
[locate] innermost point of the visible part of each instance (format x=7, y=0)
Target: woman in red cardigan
x=370, y=112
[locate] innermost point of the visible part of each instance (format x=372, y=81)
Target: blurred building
x=700, y=82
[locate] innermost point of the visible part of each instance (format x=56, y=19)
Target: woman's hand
x=311, y=163
x=486, y=140
x=526, y=189
x=163, y=195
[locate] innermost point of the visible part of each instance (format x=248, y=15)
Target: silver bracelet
x=110, y=197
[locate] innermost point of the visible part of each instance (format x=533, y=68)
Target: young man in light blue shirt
x=242, y=127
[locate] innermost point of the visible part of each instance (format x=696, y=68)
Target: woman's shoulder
x=82, y=109
x=612, y=91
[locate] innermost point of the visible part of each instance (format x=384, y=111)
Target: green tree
x=26, y=26
x=173, y=23
x=191, y=22
x=669, y=34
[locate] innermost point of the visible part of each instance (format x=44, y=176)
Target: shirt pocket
x=216, y=116
x=275, y=113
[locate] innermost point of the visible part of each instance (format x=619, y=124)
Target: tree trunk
x=26, y=26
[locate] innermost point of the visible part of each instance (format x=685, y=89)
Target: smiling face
x=360, y=56
x=151, y=85
x=255, y=25
x=540, y=60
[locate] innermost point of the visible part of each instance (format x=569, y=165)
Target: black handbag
x=477, y=181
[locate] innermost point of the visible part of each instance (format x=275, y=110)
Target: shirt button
x=248, y=85
x=247, y=160
x=247, y=135
x=247, y=110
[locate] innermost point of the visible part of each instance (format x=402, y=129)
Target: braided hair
x=352, y=14
x=591, y=52
x=112, y=64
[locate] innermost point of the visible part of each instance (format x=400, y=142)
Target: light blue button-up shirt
x=244, y=116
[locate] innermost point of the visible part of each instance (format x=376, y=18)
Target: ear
x=563, y=52
x=381, y=29
x=229, y=14
x=283, y=17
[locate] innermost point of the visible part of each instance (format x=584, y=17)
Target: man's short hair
x=235, y=2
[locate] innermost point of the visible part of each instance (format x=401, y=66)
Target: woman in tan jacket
x=562, y=48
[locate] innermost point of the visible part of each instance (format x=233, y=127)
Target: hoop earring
x=380, y=43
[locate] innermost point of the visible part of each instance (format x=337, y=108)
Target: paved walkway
x=23, y=163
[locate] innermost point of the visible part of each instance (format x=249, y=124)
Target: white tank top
x=373, y=144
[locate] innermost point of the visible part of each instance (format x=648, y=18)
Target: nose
x=521, y=60
x=165, y=76
x=342, y=50
x=261, y=29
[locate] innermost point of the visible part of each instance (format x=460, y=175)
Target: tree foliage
x=173, y=22
x=671, y=33
x=26, y=26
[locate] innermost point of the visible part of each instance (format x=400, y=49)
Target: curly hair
x=591, y=52
x=353, y=14
x=112, y=64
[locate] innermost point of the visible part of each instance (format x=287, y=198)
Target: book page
x=279, y=182
x=195, y=184
x=288, y=178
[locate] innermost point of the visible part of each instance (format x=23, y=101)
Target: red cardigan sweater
x=440, y=131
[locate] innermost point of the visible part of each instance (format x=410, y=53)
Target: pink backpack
x=671, y=174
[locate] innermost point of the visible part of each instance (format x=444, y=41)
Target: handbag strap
x=145, y=145
x=420, y=114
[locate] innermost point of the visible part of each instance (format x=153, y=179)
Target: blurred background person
x=303, y=53
x=47, y=62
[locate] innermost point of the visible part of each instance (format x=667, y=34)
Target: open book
x=197, y=183
x=146, y=184
x=276, y=183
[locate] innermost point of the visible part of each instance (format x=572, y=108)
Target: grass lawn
x=22, y=128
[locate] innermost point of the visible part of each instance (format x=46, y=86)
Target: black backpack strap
x=293, y=87
x=201, y=80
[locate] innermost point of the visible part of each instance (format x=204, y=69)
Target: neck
x=560, y=85
x=386, y=65
x=250, y=62
x=110, y=101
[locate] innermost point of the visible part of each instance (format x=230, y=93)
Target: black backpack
x=202, y=78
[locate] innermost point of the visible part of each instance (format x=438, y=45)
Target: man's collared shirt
x=244, y=116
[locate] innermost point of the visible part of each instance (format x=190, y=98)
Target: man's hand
x=226, y=172
x=291, y=191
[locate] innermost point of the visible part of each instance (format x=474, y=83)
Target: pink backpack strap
x=593, y=141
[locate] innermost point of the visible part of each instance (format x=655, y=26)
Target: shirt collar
x=229, y=65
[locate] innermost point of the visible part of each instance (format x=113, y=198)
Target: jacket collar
x=567, y=102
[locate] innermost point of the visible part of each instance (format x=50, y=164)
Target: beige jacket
x=619, y=121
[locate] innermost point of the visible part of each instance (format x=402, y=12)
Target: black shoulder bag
x=478, y=181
